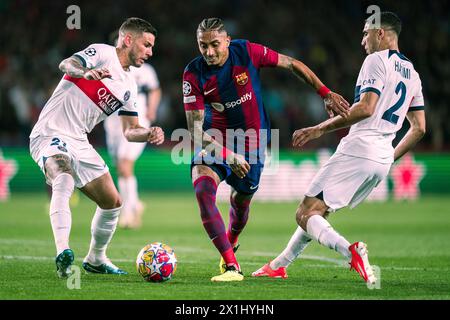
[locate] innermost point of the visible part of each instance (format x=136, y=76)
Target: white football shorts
x=118, y=146
x=346, y=180
x=86, y=163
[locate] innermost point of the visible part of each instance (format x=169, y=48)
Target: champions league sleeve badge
x=126, y=96
x=186, y=88
x=90, y=52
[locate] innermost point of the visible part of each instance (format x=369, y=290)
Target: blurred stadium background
x=326, y=35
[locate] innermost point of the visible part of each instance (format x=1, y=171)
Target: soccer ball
x=156, y=262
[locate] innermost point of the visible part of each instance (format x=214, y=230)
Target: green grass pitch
x=408, y=241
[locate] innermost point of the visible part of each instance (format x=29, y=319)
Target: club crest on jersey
x=242, y=78
x=126, y=96
x=187, y=88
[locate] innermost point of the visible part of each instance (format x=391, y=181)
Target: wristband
x=225, y=153
x=323, y=91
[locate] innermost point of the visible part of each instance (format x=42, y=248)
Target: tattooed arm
x=237, y=162
x=195, y=126
x=73, y=67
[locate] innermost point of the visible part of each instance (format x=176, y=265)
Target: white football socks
x=60, y=216
x=320, y=230
x=102, y=230
x=299, y=241
x=129, y=193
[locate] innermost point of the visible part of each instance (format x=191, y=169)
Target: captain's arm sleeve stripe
x=128, y=113
x=83, y=62
x=416, y=108
x=370, y=89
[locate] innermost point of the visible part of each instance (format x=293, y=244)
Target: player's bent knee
x=117, y=203
x=63, y=182
x=56, y=165
x=113, y=203
x=199, y=171
x=298, y=217
x=304, y=212
x=302, y=220
x=240, y=199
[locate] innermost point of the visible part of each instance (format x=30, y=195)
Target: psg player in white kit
x=124, y=153
x=388, y=89
x=97, y=83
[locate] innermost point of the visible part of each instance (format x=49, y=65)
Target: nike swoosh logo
x=209, y=91
x=254, y=187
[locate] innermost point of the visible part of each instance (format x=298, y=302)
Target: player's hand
x=156, y=136
x=302, y=136
x=336, y=104
x=97, y=74
x=238, y=164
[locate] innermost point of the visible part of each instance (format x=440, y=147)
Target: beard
x=135, y=61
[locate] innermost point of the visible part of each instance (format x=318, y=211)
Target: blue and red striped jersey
x=231, y=94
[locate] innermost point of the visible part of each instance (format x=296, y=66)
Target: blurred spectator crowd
x=326, y=35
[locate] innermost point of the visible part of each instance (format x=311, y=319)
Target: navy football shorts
x=247, y=185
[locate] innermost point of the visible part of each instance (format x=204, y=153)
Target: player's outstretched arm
x=134, y=132
x=237, y=162
x=334, y=103
x=359, y=111
x=414, y=134
x=73, y=67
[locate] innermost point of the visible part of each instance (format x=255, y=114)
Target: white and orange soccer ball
x=156, y=262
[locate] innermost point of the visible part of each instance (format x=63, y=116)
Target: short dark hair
x=211, y=24
x=137, y=25
x=388, y=20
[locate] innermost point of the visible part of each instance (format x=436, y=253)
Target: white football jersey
x=146, y=80
x=391, y=75
x=77, y=105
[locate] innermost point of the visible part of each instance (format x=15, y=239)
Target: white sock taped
x=298, y=242
x=320, y=230
x=102, y=230
x=60, y=215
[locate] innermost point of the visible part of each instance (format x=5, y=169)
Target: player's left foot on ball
x=360, y=262
x=222, y=264
x=63, y=262
x=105, y=268
x=267, y=271
x=231, y=274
